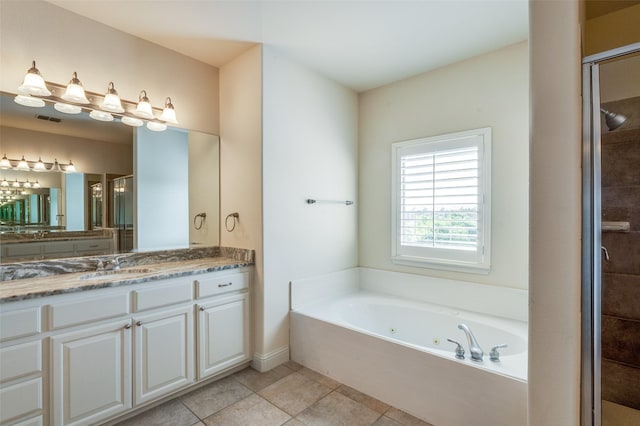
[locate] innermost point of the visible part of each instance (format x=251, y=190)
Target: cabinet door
x=91, y=374
x=163, y=353
x=223, y=334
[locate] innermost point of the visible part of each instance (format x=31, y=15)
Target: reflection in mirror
x=97, y=204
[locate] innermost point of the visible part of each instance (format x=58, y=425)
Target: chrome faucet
x=474, y=348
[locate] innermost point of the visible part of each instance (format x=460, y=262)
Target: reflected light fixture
x=39, y=166
x=33, y=83
x=4, y=182
x=132, y=121
x=169, y=113
x=23, y=165
x=56, y=166
x=70, y=167
x=27, y=184
x=144, y=109
x=156, y=127
x=28, y=101
x=112, y=101
x=36, y=184
x=75, y=91
x=67, y=108
x=5, y=163
x=16, y=184
x=613, y=120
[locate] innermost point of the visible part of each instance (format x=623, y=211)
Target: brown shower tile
x=621, y=340
x=621, y=295
x=172, y=412
x=620, y=384
x=214, y=397
x=338, y=410
x=624, y=251
x=256, y=380
x=252, y=410
x=364, y=399
x=621, y=162
x=294, y=393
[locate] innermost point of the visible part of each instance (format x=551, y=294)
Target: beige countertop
x=31, y=288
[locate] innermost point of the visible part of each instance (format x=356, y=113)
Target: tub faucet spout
x=474, y=348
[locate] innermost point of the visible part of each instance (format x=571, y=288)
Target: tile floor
x=287, y=395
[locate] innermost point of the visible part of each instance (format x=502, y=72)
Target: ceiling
x=362, y=44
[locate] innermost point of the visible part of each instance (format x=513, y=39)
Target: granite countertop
x=30, y=280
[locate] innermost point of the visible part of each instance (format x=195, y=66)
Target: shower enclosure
x=611, y=238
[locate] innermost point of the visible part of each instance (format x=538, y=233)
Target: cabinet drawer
x=88, y=310
x=163, y=295
x=23, y=249
x=20, y=360
x=20, y=400
x=57, y=247
x=212, y=284
x=25, y=322
x=92, y=245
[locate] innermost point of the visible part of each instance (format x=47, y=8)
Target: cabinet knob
x=138, y=323
x=202, y=308
x=127, y=326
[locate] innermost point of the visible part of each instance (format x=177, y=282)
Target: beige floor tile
x=386, y=421
x=251, y=411
x=214, y=397
x=294, y=422
x=336, y=409
x=256, y=381
x=369, y=401
x=292, y=365
x=405, y=418
x=172, y=413
x=324, y=380
x=294, y=393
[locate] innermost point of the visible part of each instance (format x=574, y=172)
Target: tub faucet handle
x=459, y=349
x=494, y=355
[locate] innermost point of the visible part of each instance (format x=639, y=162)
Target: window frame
x=477, y=261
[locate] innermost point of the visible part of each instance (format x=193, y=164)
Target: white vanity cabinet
x=90, y=356
x=21, y=367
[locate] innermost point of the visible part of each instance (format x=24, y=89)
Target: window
x=441, y=201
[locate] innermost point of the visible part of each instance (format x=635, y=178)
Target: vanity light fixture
x=131, y=121
x=36, y=184
x=112, y=101
x=67, y=108
x=16, y=184
x=28, y=101
x=23, y=165
x=96, y=114
x=39, y=166
x=5, y=163
x=143, y=109
x=33, y=83
x=4, y=182
x=70, y=167
x=169, y=113
x=26, y=184
x=75, y=91
x=156, y=127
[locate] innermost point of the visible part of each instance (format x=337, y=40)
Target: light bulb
x=144, y=109
x=5, y=163
x=33, y=83
x=169, y=112
x=39, y=166
x=23, y=165
x=75, y=91
x=112, y=101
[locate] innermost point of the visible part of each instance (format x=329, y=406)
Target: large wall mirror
x=143, y=190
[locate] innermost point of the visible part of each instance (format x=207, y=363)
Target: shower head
x=613, y=120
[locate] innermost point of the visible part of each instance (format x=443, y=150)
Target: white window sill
x=421, y=262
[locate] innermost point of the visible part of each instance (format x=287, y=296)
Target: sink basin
x=116, y=273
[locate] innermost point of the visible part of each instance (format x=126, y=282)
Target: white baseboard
x=265, y=362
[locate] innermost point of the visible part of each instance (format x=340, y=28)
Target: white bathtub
x=397, y=351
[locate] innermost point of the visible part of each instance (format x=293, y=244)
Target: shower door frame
x=591, y=414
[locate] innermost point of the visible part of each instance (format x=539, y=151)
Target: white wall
x=62, y=42
x=488, y=90
x=241, y=165
x=204, y=188
x=161, y=198
x=309, y=151
x=554, y=280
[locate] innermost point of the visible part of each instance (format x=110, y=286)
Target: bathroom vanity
x=87, y=347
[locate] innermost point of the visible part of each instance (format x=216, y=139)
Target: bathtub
x=396, y=350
